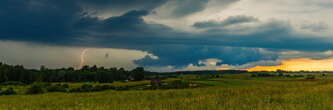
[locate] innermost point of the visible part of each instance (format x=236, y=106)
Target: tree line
x=85, y=74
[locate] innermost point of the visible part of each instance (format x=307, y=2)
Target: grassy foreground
x=223, y=94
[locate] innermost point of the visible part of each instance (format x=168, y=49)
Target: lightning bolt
x=82, y=57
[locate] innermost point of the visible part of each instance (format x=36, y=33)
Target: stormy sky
x=164, y=35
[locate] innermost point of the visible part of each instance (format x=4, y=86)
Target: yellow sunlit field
x=231, y=92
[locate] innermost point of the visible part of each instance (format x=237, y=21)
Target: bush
x=36, y=88
x=83, y=88
x=65, y=85
x=87, y=88
x=57, y=88
x=13, y=83
x=310, y=77
x=90, y=88
x=122, y=88
x=8, y=91
x=298, y=76
x=177, y=84
x=263, y=75
x=102, y=87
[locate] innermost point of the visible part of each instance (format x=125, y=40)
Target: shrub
x=122, y=88
x=8, y=91
x=180, y=84
x=65, y=85
x=310, y=77
x=102, y=87
x=86, y=88
x=177, y=84
x=56, y=88
x=83, y=88
x=74, y=90
x=13, y=83
x=298, y=75
x=265, y=75
x=36, y=88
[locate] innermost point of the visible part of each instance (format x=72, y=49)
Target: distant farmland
x=225, y=92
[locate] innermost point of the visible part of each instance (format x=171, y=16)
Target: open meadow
x=230, y=92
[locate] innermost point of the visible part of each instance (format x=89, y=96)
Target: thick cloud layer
x=180, y=56
x=236, y=40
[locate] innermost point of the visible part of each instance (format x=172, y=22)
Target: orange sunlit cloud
x=299, y=64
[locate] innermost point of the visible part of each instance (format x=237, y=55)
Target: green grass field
x=232, y=92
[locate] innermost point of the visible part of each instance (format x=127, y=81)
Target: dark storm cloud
x=187, y=7
x=123, y=4
x=65, y=22
x=130, y=24
x=233, y=20
x=120, y=6
x=38, y=20
x=181, y=56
